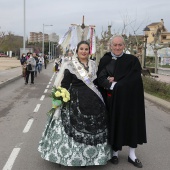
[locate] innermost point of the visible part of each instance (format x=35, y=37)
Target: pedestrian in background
x=40, y=63
x=45, y=61
x=119, y=75
x=23, y=64
x=27, y=56
x=31, y=64
x=69, y=55
x=56, y=65
x=37, y=61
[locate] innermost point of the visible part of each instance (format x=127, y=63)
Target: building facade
x=53, y=37
x=158, y=43
x=38, y=37
x=157, y=33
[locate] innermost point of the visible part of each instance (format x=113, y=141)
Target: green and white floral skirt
x=56, y=146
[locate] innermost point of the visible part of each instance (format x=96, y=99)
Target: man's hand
x=111, y=79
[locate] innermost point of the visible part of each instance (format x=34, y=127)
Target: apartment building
x=38, y=37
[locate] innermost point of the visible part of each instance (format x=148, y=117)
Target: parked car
x=3, y=55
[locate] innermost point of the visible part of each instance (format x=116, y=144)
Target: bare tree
x=2, y=37
x=10, y=42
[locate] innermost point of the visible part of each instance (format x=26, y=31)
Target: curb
x=158, y=101
x=2, y=84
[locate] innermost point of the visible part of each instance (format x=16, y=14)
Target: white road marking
x=37, y=108
x=42, y=97
x=45, y=91
x=51, y=79
x=11, y=159
x=28, y=125
x=15, y=151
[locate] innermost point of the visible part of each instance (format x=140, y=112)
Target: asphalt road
x=22, y=120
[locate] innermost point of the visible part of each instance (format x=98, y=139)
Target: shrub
x=156, y=88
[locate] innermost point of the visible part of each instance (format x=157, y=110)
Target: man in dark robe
x=120, y=82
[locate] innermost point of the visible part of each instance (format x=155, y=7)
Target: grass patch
x=157, y=88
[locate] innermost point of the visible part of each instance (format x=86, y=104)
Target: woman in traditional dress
x=79, y=136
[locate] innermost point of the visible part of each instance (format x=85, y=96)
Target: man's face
x=117, y=46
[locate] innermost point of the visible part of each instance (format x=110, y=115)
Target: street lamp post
x=43, y=39
x=24, y=30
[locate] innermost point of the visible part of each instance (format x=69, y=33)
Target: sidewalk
x=8, y=76
x=162, y=78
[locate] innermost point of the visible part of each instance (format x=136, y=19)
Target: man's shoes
x=137, y=162
x=114, y=160
x=26, y=83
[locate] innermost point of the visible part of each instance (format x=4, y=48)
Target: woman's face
x=83, y=51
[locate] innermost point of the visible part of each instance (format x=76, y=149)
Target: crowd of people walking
x=32, y=64
x=105, y=109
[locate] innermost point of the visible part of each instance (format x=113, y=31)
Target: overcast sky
x=101, y=13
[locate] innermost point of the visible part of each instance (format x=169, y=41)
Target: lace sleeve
x=93, y=70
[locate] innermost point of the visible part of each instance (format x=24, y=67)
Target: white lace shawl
x=71, y=67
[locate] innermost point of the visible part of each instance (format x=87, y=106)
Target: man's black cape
x=126, y=105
